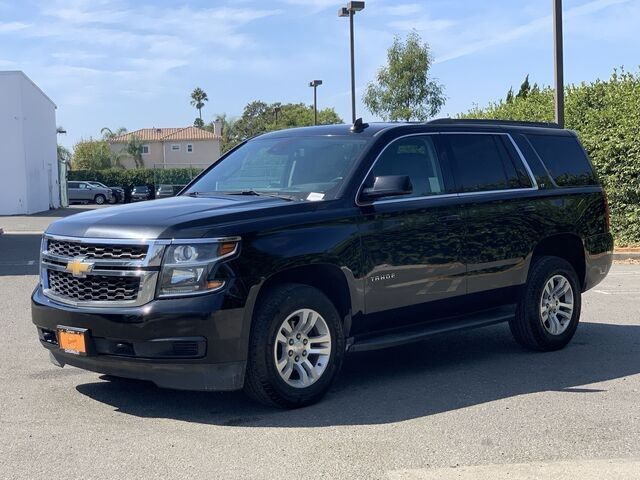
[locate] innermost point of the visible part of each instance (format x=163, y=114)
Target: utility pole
x=349, y=11
x=315, y=84
x=559, y=62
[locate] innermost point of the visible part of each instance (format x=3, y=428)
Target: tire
x=264, y=382
x=531, y=327
x=99, y=199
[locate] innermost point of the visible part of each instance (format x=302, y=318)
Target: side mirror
x=387, y=186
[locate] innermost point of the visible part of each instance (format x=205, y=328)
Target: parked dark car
x=140, y=193
x=302, y=245
x=85, y=192
x=117, y=193
x=165, y=191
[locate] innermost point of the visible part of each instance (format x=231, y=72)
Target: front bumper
x=136, y=342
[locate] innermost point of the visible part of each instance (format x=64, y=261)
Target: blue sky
x=133, y=63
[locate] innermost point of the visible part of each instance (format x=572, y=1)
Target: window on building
x=145, y=149
x=175, y=147
x=189, y=148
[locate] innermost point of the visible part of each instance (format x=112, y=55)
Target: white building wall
x=28, y=147
x=13, y=185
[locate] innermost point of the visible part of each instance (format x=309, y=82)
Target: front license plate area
x=73, y=340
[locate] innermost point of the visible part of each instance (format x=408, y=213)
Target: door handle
x=449, y=218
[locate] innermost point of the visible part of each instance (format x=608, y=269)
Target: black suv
x=302, y=245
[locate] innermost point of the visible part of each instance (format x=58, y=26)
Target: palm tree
x=134, y=148
x=108, y=134
x=198, y=97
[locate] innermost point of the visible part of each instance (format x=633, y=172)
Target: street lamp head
x=343, y=12
x=315, y=83
x=355, y=6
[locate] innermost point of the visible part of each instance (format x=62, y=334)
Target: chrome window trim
x=359, y=191
x=534, y=183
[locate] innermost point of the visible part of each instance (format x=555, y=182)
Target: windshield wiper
x=261, y=194
x=243, y=192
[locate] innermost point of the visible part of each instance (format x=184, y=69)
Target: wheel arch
x=335, y=282
x=567, y=246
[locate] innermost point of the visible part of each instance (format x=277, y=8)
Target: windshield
x=302, y=168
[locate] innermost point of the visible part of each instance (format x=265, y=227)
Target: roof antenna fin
x=358, y=125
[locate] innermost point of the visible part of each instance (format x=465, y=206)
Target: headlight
x=188, y=266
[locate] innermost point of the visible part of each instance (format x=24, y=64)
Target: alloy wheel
x=302, y=348
x=557, y=305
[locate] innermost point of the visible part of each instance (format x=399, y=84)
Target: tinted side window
x=416, y=157
x=72, y=185
x=483, y=163
x=564, y=158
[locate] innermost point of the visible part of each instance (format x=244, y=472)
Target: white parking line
x=27, y=263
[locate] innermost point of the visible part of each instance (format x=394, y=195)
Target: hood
x=173, y=217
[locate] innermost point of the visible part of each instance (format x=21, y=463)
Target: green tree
x=64, y=155
x=198, y=98
x=91, y=155
x=133, y=147
x=227, y=128
x=525, y=88
x=108, y=134
x=198, y=122
x=606, y=116
x=403, y=89
x=509, y=95
x=259, y=117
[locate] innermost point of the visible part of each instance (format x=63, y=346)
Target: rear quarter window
x=565, y=159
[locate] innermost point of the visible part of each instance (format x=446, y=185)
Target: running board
x=420, y=332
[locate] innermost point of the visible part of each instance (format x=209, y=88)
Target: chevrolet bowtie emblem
x=79, y=268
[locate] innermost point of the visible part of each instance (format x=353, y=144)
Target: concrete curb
x=626, y=255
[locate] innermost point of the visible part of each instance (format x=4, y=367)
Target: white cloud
x=532, y=26
x=12, y=27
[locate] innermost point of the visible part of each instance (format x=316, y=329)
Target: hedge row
x=606, y=116
x=127, y=179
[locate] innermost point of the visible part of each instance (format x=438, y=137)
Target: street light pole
x=349, y=11
x=559, y=62
x=315, y=84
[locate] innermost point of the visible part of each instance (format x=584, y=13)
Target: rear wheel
x=296, y=347
x=99, y=199
x=549, y=310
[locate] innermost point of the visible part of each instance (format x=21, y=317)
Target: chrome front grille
x=94, y=288
x=114, y=273
x=97, y=251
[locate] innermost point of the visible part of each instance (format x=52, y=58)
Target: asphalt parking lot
x=469, y=405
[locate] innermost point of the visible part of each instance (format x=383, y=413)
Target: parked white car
x=85, y=192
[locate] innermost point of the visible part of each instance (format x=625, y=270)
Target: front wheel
x=296, y=347
x=100, y=199
x=548, y=313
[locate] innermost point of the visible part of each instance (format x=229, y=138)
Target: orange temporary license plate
x=73, y=340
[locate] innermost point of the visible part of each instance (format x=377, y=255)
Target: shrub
x=606, y=116
x=118, y=177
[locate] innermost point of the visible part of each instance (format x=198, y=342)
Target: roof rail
x=483, y=121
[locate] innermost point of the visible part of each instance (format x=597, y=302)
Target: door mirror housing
x=387, y=186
